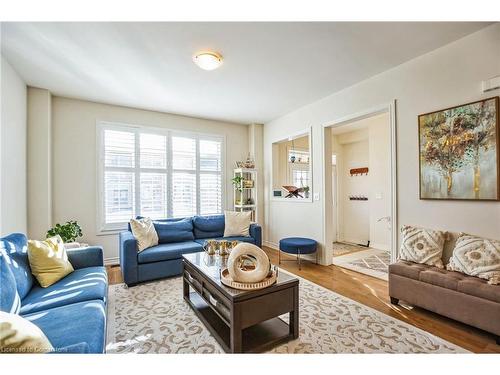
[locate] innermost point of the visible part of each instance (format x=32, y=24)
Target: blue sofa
x=175, y=237
x=71, y=312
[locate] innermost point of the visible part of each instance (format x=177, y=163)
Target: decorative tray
x=226, y=279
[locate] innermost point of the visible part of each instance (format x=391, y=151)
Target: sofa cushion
x=168, y=251
x=10, y=302
x=177, y=230
x=477, y=287
x=16, y=247
x=208, y=226
x=230, y=238
x=442, y=278
x=451, y=280
x=80, y=348
x=83, y=322
x=84, y=284
x=408, y=269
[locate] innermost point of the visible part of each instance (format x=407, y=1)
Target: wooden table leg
x=294, y=315
x=236, y=333
x=185, y=285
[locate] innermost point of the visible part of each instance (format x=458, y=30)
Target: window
x=159, y=174
x=300, y=177
x=299, y=168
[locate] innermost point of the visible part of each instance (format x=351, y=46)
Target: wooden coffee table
x=241, y=321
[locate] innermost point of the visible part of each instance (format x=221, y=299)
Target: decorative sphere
x=248, y=276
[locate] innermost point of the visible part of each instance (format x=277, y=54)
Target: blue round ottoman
x=297, y=246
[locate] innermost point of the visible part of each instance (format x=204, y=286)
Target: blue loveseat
x=71, y=312
x=175, y=237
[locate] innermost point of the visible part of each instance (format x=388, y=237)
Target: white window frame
x=101, y=126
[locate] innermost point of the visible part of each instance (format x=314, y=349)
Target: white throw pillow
x=19, y=335
x=145, y=233
x=237, y=223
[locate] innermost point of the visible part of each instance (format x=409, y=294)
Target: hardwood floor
x=373, y=292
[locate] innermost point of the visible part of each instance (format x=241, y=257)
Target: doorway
x=360, y=220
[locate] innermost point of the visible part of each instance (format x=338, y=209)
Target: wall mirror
x=292, y=168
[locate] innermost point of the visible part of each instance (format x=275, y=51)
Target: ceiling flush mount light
x=208, y=60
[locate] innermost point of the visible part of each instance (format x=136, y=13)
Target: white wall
x=39, y=162
x=353, y=215
x=255, y=148
x=379, y=177
x=13, y=212
x=442, y=78
x=74, y=156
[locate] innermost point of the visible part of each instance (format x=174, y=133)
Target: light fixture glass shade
x=208, y=60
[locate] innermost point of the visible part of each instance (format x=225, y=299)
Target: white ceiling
x=269, y=68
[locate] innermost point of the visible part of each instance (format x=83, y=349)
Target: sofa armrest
x=256, y=233
x=128, y=257
x=86, y=257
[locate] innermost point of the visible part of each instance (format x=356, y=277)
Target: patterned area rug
x=153, y=318
x=340, y=248
x=378, y=262
x=372, y=262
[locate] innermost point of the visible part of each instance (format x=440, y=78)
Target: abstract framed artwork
x=459, y=149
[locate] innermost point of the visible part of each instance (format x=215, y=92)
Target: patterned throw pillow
x=476, y=256
x=420, y=245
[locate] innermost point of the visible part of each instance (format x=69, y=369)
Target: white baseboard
x=272, y=245
x=111, y=261
x=354, y=241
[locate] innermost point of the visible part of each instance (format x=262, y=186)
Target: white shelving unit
x=246, y=200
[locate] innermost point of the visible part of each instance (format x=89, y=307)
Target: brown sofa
x=468, y=299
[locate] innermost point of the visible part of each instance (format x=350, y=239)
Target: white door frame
x=389, y=108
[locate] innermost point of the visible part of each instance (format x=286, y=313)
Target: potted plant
x=69, y=232
x=306, y=191
x=238, y=183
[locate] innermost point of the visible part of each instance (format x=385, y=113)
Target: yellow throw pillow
x=48, y=260
x=19, y=335
x=145, y=233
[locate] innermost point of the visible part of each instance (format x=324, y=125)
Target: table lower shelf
x=255, y=339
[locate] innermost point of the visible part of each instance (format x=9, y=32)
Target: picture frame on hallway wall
x=459, y=152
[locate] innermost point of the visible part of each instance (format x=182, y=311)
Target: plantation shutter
x=158, y=174
x=119, y=176
x=153, y=175
x=210, y=176
x=184, y=202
